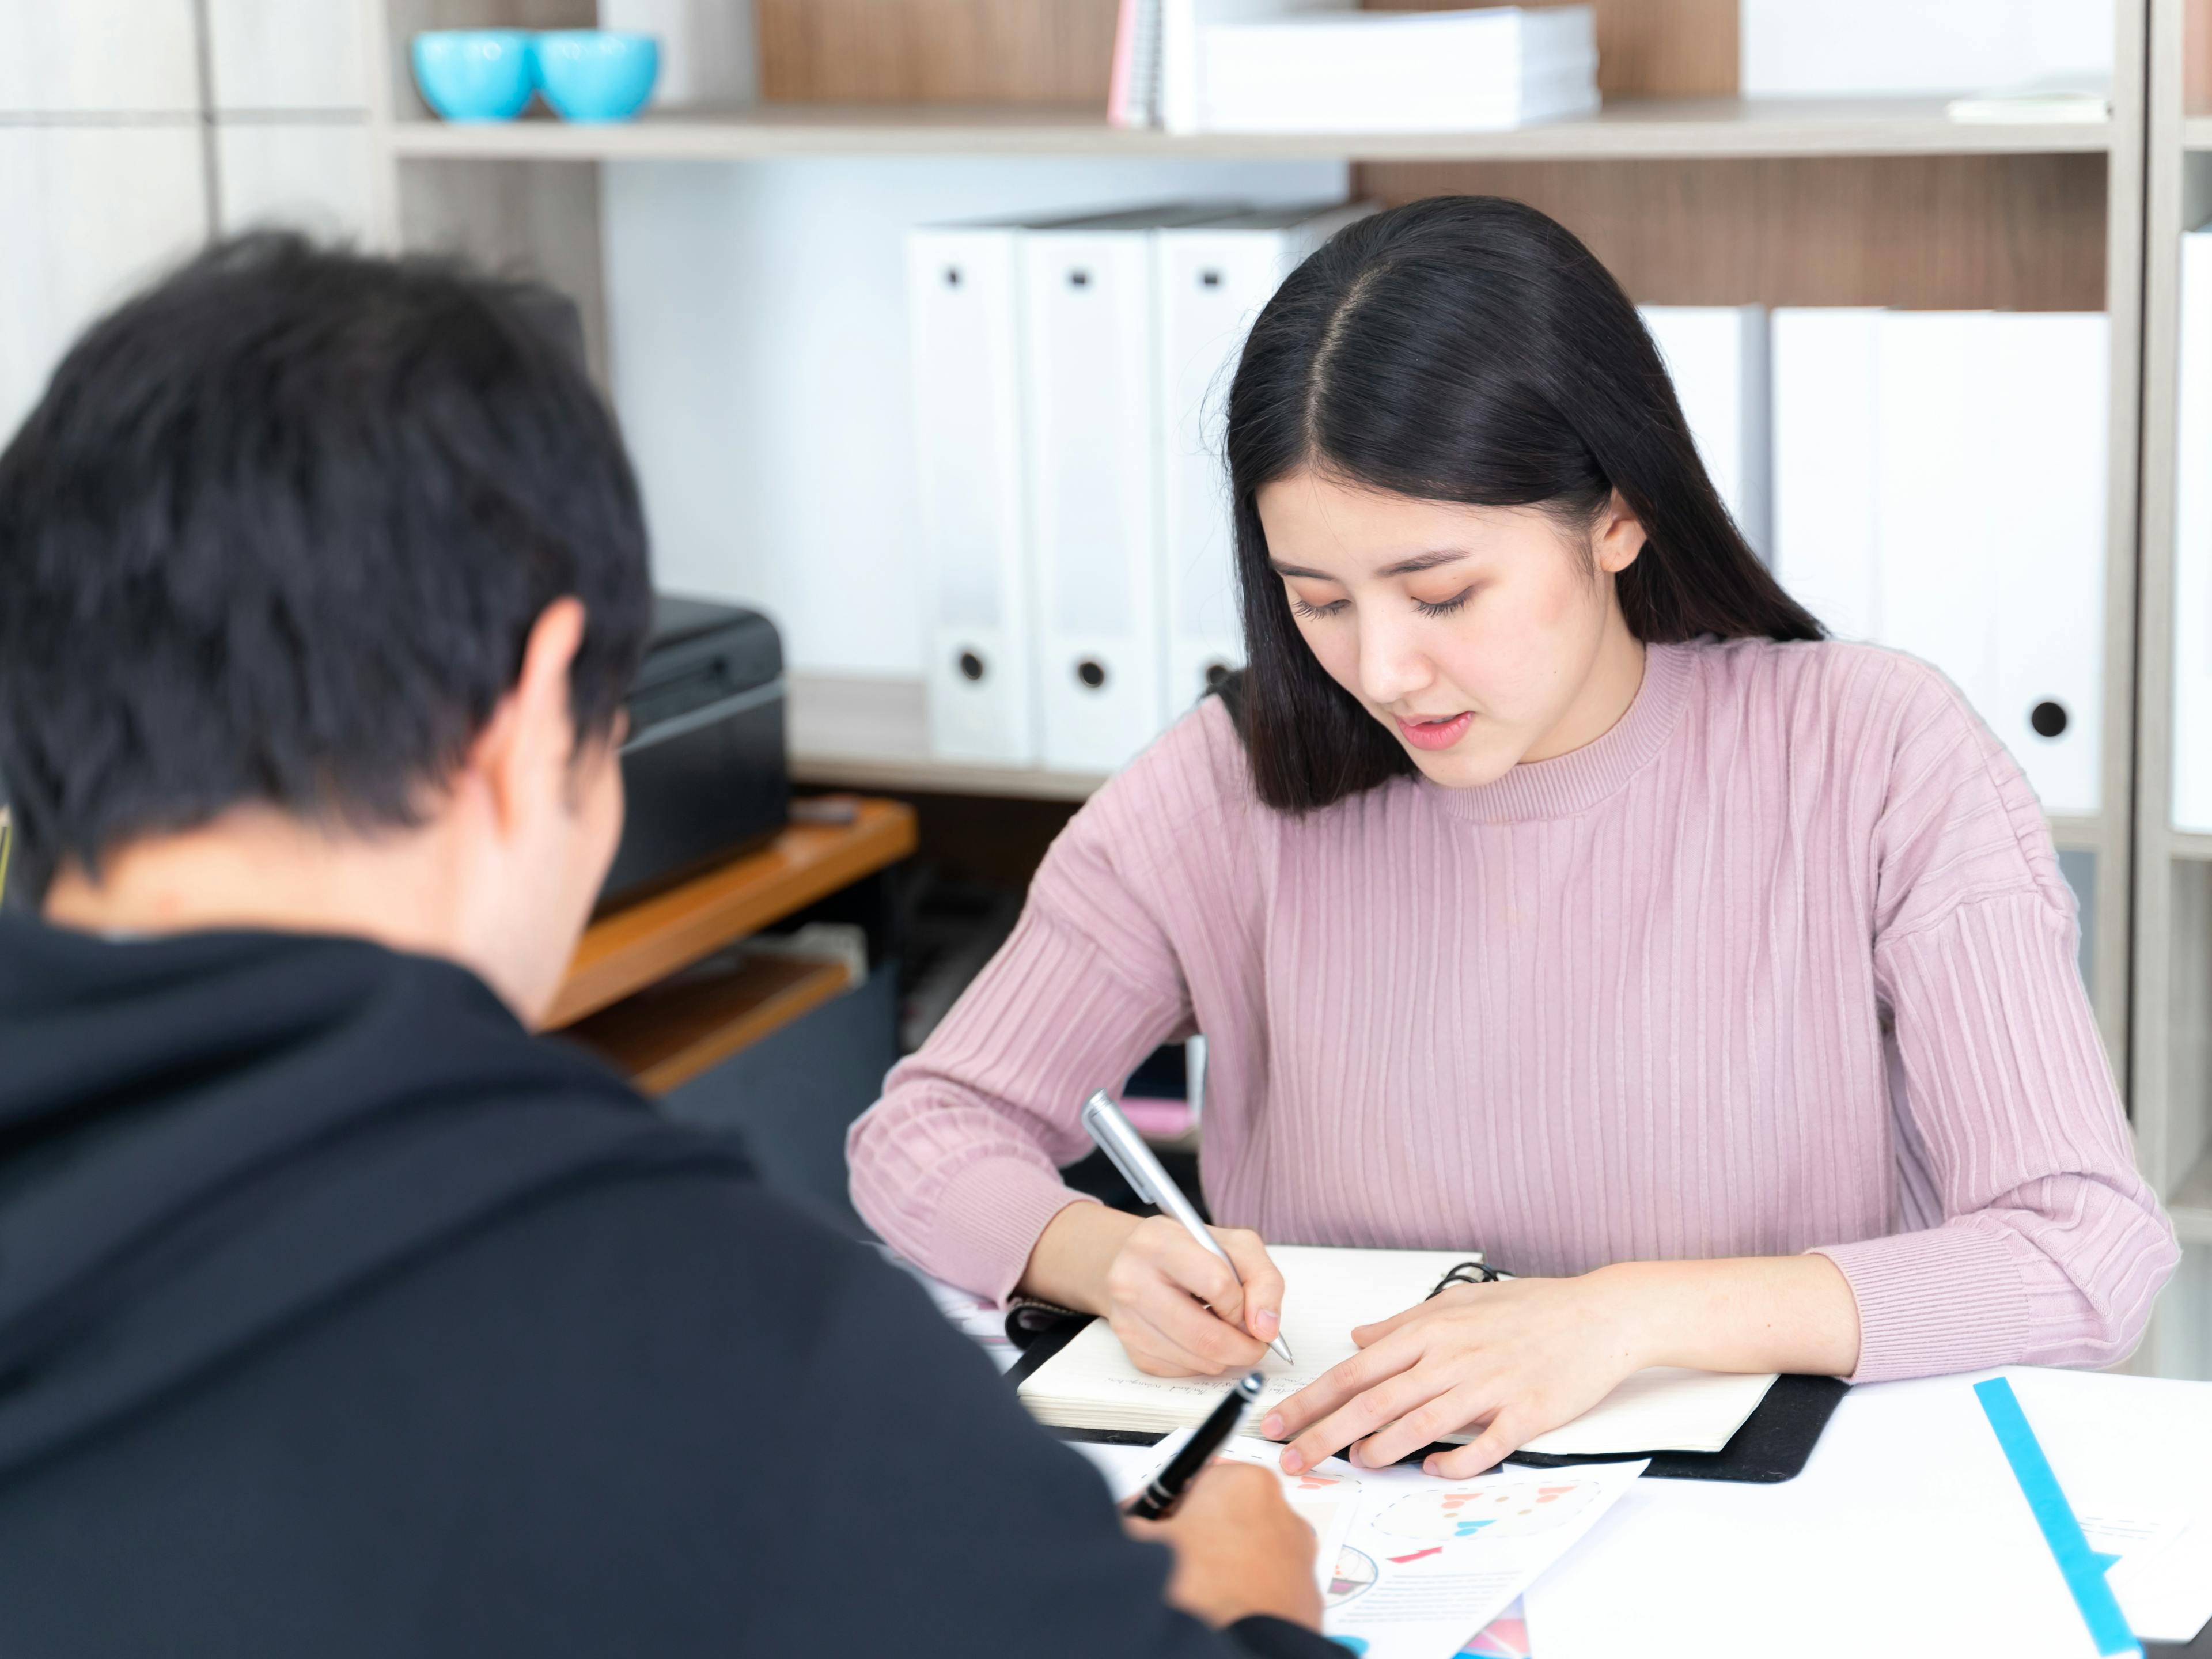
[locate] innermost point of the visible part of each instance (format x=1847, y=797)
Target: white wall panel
x=91, y=212
x=59, y=56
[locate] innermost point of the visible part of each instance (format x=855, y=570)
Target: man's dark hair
x=277, y=533
x=1464, y=349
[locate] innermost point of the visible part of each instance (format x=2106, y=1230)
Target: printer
x=702, y=765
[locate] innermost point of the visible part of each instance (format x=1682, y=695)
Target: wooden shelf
x=865, y=731
x=1630, y=128
x=2196, y=132
x=668, y=1034
x=2197, y=849
x=645, y=943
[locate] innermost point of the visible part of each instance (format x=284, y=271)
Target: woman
x=1547, y=885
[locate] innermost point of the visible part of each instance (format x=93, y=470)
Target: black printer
x=703, y=763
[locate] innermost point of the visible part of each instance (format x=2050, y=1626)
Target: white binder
x=965, y=292
x=2192, y=547
x=1212, y=281
x=1980, y=439
x=1824, y=464
x=1716, y=355
x=1089, y=316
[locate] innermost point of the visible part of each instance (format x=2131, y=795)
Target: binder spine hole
x=1217, y=675
x=1079, y=279
x=1092, y=672
x=2050, y=719
x=1209, y=279
x=970, y=666
x=952, y=275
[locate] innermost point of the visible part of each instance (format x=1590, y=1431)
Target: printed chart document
x=1411, y=1566
x=1091, y=1384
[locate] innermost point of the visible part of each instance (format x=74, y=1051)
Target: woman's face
x=1480, y=636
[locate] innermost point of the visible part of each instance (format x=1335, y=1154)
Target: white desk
x=1907, y=1534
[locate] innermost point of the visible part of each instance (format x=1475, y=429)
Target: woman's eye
x=1442, y=607
x=1301, y=608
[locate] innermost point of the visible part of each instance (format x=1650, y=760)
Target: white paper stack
x=1717, y=357
x=2192, y=546
x=1940, y=489
x=1356, y=71
x=1875, y=48
x=1212, y=279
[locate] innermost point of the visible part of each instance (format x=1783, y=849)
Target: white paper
x=2134, y=1456
x=1906, y=1534
x=1428, y=1563
x=1412, y=1567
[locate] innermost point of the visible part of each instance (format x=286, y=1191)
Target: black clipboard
x=1772, y=1446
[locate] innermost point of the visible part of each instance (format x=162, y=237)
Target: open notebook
x=1091, y=1384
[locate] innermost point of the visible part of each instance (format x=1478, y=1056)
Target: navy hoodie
x=338, y=1315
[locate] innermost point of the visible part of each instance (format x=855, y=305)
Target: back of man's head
x=277, y=535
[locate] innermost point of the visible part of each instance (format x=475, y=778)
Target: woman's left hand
x=1521, y=1356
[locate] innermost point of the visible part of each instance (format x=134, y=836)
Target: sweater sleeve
x=2037, y=1242
x=958, y=1165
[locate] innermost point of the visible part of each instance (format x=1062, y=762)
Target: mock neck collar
x=1575, y=781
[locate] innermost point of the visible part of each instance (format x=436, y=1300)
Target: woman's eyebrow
x=1403, y=568
x=1424, y=562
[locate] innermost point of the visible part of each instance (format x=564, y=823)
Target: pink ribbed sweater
x=1782, y=962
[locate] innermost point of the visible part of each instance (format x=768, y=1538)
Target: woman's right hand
x=1176, y=1307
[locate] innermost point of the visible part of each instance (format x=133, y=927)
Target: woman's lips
x=1435, y=733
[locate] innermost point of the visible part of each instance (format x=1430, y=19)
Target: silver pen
x=1125, y=1148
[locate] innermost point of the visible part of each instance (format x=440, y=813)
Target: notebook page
x=1661, y=1409
x=1093, y=1384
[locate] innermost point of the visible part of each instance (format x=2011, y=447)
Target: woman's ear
x=1620, y=535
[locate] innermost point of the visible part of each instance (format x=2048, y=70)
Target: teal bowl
x=596, y=75
x=474, y=75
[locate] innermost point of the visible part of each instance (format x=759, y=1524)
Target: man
x=337, y=1316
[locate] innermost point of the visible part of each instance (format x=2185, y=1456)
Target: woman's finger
x=1155, y=1353
x=1170, y=1310
x=1385, y=1402
x=1364, y=1334
x=1341, y=1383
x=1492, y=1447
x=1186, y=1262
x=1263, y=1280
x=1430, y=1421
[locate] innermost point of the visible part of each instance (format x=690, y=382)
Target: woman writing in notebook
x=1547, y=885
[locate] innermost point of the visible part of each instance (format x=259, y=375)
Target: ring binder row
x=1932, y=482
x=1070, y=377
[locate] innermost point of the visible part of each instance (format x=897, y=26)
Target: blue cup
x=474, y=75
x=596, y=75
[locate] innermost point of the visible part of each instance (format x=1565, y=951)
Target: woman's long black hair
x=1465, y=349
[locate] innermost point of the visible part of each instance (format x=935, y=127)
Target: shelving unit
x=1690, y=194
x=2171, y=1098
x=1642, y=129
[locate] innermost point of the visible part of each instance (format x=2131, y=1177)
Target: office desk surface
x=642, y=944
x=1907, y=1534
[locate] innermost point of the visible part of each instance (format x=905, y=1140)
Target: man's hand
x=1176, y=1307
x=1240, y=1550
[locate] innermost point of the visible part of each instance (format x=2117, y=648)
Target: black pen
x=1164, y=1490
